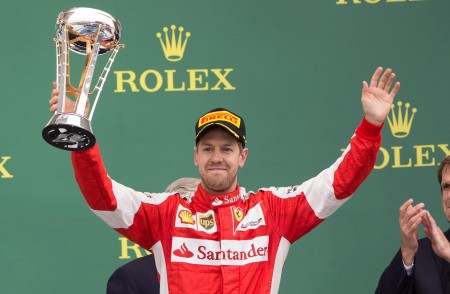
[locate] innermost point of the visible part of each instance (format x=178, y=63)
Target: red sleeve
x=93, y=179
x=298, y=209
x=141, y=217
x=359, y=159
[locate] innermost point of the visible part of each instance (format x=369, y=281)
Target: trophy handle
x=102, y=78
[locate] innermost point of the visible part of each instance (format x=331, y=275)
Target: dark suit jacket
x=431, y=273
x=137, y=276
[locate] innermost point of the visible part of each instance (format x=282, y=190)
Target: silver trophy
x=89, y=32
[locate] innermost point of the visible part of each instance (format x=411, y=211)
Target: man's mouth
x=216, y=169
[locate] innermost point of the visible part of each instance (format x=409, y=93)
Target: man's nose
x=217, y=156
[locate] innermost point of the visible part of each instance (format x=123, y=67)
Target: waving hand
x=377, y=97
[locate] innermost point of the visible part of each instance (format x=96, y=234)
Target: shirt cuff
x=408, y=269
x=369, y=131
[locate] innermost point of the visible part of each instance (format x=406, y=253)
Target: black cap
x=229, y=121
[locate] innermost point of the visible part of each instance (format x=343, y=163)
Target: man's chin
x=217, y=187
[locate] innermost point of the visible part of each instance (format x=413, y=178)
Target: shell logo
x=186, y=217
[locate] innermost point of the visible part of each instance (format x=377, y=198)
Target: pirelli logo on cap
x=219, y=116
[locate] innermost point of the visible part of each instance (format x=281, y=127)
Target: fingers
x=411, y=217
x=389, y=81
x=415, y=221
x=434, y=233
x=53, y=103
x=407, y=210
x=376, y=75
x=439, y=242
x=386, y=80
x=404, y=206
x=429, y=222
x=365, y=87
x=395, y=89
x=55, y=91
x=54, y=98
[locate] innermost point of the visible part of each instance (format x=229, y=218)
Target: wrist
x=407, y=256
x=374, y=121
x=408, y=262
x=368, y=130
x=408, y=268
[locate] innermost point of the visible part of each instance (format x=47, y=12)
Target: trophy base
x=69, y=131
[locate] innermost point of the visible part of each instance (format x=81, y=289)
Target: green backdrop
x=293, y=69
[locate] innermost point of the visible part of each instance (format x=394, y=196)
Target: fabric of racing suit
x=231, y=243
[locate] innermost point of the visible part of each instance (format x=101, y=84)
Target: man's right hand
x=69, y=105
x=410, y=219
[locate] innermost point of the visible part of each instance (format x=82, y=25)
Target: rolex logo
x=173, y=45
x=400, y=123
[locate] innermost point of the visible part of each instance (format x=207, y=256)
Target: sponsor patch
x=183, y=252
x=252, y=220
x=217, y=202
x=226, y=200
x=186, y=217
x=216, y=253
x=207, y=221
x=203, y=222
x=238, y=213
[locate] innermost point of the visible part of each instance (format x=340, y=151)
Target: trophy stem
x=62, y=66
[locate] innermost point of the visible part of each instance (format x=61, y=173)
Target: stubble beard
x=219, y=185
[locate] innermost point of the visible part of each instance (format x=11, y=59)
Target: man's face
x=218, y=156
x=445, y=187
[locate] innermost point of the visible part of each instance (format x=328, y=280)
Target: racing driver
x=223, y=238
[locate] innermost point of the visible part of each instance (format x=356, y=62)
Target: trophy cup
x=89, y=32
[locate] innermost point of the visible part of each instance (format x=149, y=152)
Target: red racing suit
x=231, y=243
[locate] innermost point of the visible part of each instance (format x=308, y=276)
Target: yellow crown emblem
x=172, y=45
x=400, y=124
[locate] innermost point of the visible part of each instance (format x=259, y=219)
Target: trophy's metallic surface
x=89, y=32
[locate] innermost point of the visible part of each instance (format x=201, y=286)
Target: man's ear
x=195, y=156
x=243, y=157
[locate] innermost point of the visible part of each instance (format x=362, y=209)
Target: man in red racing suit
x=231, y=240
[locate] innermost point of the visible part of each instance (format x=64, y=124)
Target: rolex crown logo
x=172, y=45
x=400, y=123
